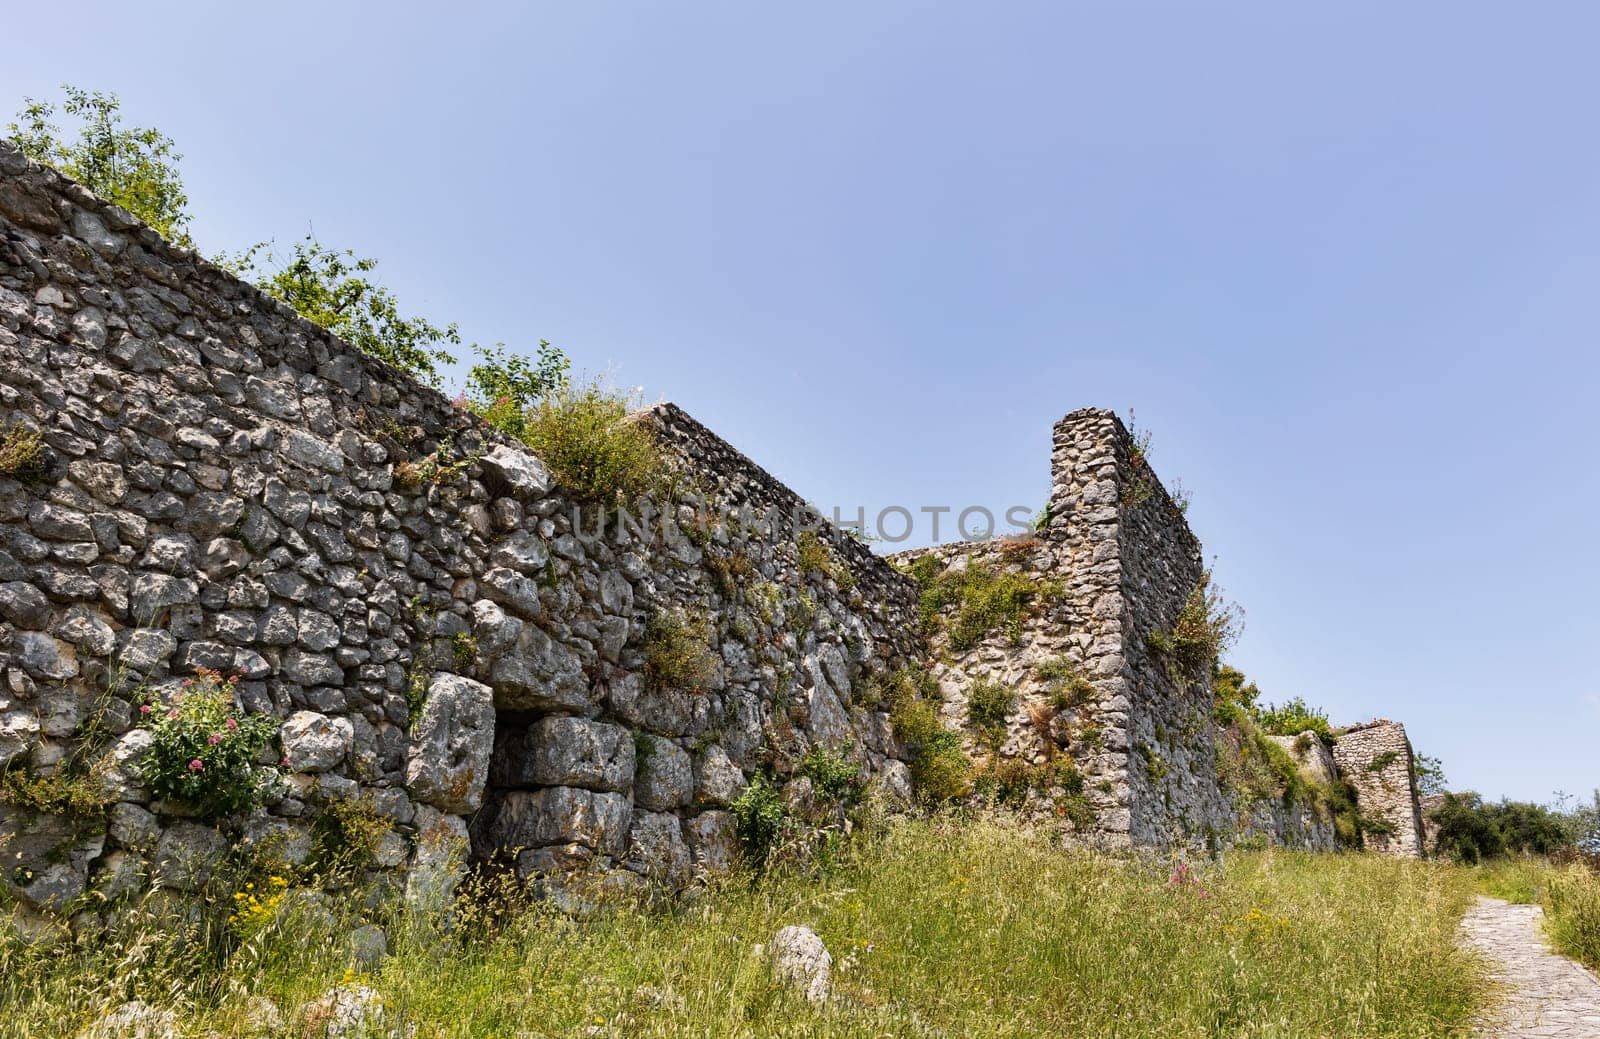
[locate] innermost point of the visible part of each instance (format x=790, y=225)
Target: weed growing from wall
x=832, y=774
x=939, y=767
x=22, y=454
x=976, y=601
x=759, y=815
x=595, y=450
x=1067, y=688
x=989, y=705
x=345, y=837
x=677, y=652
x=70, y=790
x=815, y=557
x=1206, y=625
x=1293, y=718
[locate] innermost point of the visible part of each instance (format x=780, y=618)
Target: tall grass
x=1572, y=911
x=1569, y=894
x=938, y=928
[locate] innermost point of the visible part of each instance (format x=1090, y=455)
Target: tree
x=504, y=388
x=135, y=168
x=1428, y=773
x=332, y=288
x=1470, y=830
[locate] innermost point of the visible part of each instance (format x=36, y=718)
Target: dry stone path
x=1547, y=996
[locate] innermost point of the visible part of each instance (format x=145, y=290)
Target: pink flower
x=231, y=724
x=172, y=715
x=286, y=761
x=214, y=739
x=144, y=708
x=233, y=678
x=196, y=765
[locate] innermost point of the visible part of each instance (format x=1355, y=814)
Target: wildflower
x=214, y=739
x=172, y=716
x=144, y=708
x=231, y=724
x=285, y=761
x=195, y=765
x=233, y=678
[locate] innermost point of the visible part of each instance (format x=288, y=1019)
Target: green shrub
x=202, y=750
x=982, y=600
x=1206, y=625
x=22, y=454
x=1294, y=717
x=816, y=558
x=502, y=387
x=1470, y=830
x=345, y=836
x=939, y=767
x=989, y=706
x=759, y=815
x=1068, y=689
x=597, y=452
x=677, y=652
x=832, y=774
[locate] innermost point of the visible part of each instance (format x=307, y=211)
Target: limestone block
x=450, y=744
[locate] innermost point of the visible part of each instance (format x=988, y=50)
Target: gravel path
x=1547, y=996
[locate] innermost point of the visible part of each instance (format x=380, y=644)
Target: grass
x=948, y=927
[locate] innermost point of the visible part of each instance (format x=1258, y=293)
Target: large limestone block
x=314, y=742
x=567, y=751
x=665, y=776
x=657, y=850
x=450, y=744
x=560, y=815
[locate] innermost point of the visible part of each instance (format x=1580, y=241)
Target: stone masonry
x=1121, y=561
x=1376, y=759
x=440, y=631
x=227, y=486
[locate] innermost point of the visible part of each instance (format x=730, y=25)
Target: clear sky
x=1343, y=263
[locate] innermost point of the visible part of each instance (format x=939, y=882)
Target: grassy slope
x=937, y=928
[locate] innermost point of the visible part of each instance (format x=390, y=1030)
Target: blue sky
x=1342, y=264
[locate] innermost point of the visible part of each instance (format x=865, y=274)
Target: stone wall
x=439, y=629
x=1376, y=759
x=1115, y=562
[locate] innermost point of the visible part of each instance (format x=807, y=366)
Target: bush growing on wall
x=202, y=750
x=1294, y=717
x=21, y=453
x=759, y=814
x=1207, y=625
x=677, y=652
x=939, y=767
x=594, y=450
x=982, y=600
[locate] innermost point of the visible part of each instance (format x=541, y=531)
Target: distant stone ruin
x=223, y=486
x=1376, y=758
